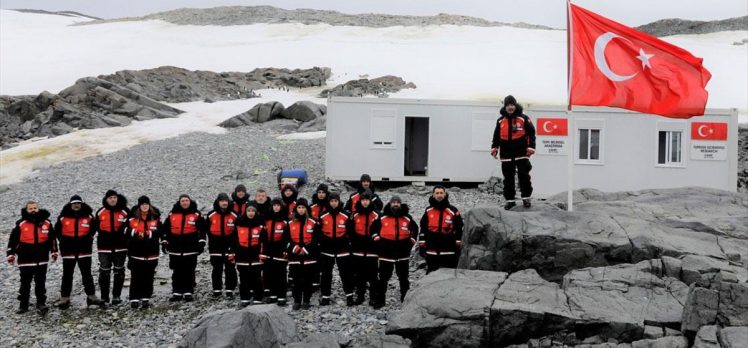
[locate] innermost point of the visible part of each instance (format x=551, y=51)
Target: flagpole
x=570, y=148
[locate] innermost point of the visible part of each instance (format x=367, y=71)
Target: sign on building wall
x=709, y=141
x=552, y=135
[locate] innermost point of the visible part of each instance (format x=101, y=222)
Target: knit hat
x=144, y=200
x=184, y=195
x=222, y=197
x=111, y=193
x=334, y=195
x=366, y=194
x=251, y=207
x=322, y=187
x=510, y=100
x=276, y=201
x=365, y=177
x=76, y=199
x=302, y=201
x=396, y=198
x=240, y=188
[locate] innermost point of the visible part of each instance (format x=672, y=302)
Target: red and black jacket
x=395, y=232
x=360, y=231
x=302, y=240
x=289, y=203
x=239, y=205
x=513, y=134
x=441, y=228
x=319, y=206
x=110, y=223
x=220, y=227
x=74, y=231
x=265, y=209
x=32, y=239
x=333, y=237
x=275, y=240
x=183, y=230
x=247, y=246
x=351, y=205
x=143, y=234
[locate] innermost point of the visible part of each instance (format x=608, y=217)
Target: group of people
x=272, y=243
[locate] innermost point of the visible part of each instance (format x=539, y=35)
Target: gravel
x=201, y=165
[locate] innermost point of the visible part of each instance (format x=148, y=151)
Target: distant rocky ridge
x=379, y=86
x=675, y=26
x=59, y=13
x=245, y=15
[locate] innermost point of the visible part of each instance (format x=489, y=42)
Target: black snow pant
x=303, y=275
x=326, y=265
x=385, y=273
x=434, y=262
x=365, y=272
x=250, y=282
x=141, y=279
x=108, y=262
x=182, y=274
x=68, y=270
x=522, y=168
x=275, y=278
x=39, y=275
x=221, y=266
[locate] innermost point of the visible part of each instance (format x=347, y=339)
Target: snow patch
x=303, y=136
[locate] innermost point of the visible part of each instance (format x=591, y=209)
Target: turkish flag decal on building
x=709, y=131
x=614, y=65
x=552, y=127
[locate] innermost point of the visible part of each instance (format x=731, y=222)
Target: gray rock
x=664, y=342
x=254, y=326
x=707, y=337
x=259, y=113
x=316, y=341
x=61, y=128
x=318, y=124
x=734, y=337
x=733, y=304
x=380, y=341
x=361, y=87
x=700, y=309
x=303, y=111
x=702, y=270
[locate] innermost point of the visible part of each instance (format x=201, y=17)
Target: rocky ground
x=202, y=165
x=676, y=26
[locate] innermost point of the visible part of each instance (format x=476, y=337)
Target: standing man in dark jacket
x=247, y=250
x=110, y=222
x=394, y=232
x=220, y=228
x=334, y=247
x=363, y=185
x=75, y=235
x=274, y=243
x=262, y=202
x=514, y=143
x=302, y=234
x=183, y=238
x=239, y=200
x=441, y=231
x=289, y=195
x=365, y=255
x=319, y=201
x=30, y=243
x=142, y=251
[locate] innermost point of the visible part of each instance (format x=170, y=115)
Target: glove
x=11, y=259
x=494, y=151
x=530, y=151
x=54, y=257
x=263, y=257
x=376, y=238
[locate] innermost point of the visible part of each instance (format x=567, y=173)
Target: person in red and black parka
x=142, y=251
x=247, y=249
x=365, y=255
x=364, y=184
x=183, y=238
x=262, y=202
x=109, y=224
x=319, y=201
x=30, y=243
x=239, y=200
x=441, y=232
x=335, y=247
x=75, y=235
x=219, y=227
x=302, y=253
x=394, y=232
x=289, y=195
x=274, y=244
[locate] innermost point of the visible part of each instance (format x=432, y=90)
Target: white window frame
x=383, y=116
x=670, y=126
x=589, y=124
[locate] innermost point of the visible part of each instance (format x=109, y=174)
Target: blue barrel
x=294, y=177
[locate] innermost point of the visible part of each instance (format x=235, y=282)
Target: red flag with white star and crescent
x=614, y=65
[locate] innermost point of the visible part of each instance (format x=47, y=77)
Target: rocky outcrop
x=255, y=326
x=379, y=86
x=705, y=229
x=259, y=113
x=676, y=26
x=304, y=111
x=309, y=116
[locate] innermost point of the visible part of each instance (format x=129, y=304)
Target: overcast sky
x=545, y=12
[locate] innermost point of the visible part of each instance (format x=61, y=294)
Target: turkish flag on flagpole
x=614, y=65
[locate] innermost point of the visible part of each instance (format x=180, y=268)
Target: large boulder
x=700, y=309
x=317, y=124
x=304, y=111
x=254, y=326
x=259, y=113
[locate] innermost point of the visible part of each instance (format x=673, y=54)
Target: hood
x=218, y=209
x=191, y=209
x=517, y=111
x=404, y=210
x=153, y=214
x=42, y=215
x=293, y=197
x=236, y=199
x=322, y=202
x=439, y=205
x=121, y=203
x=67, y=210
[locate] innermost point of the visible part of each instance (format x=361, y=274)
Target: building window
x=670, y=147
x=589, y=144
